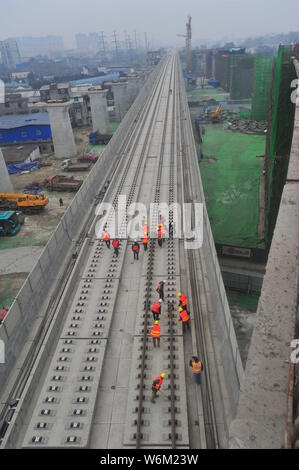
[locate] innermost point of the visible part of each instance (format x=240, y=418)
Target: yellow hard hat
x=180, y=309
x=163, y=375
x=179, y=294
x=156, y=322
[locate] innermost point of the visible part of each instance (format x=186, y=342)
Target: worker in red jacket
x=115, y=245
x=136, y=249
x=156, y=333
x=156, y=309
x=3, y=313
x=160, y=235
x=107, y=238
x=160, y=289
x=156, y=385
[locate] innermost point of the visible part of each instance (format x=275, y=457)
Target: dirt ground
x=37, y=228
x=9, y=287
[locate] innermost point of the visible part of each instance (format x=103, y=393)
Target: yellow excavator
x=216, y=114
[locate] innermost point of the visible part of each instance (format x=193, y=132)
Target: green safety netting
x=231, y=178
x=281, y=133
x=262, y=86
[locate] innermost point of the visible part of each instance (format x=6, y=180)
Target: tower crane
x=188, y=37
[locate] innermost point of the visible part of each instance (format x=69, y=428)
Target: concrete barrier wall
x=28, y=303
x=231, y=358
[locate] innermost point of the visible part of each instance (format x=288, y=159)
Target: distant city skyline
x=211, y=21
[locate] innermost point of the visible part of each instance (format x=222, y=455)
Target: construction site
x=124, y=325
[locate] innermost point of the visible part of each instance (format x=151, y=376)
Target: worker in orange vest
x=156, y=333
x=156, y=309
x=115, y=245
x=197, y=369
x=182, y=301
x=107, y=238
x=156, y=385
x=185, y=319
x=145, y=242
x=145, y=229
x=160, y=289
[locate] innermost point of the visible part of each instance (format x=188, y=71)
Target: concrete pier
x=5, y=182
x=132, y=89
x=62, y=132
x=120, y=99
x=99, y=110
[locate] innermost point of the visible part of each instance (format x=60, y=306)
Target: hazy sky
x=211, y=19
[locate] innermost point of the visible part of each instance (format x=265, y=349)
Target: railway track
x=15, y=395
x=66, y=403
x=146, y=430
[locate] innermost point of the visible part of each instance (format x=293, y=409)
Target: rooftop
x=21, y=120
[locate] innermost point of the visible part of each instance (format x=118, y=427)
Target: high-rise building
x=33, y=46
x=82, y=41
x=10, y=53
x=89, y=41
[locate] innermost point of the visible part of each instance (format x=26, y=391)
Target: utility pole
x=145, y=40
x=115, y=35
x=102, y=41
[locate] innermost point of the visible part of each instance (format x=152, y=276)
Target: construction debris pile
x=246, y=126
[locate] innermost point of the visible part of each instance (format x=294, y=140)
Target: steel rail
x=148, y=290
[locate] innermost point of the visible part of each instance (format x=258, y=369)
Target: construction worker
x=60, y=202
x=145, y=242
x=185, y=319
x=160, y=289
x=197, y=368
x=3, y=313
x=115, y=245
x=156, y=309
x=136, y=249
x=107, y=238
x=156, y=333
x=156, y=385
x=145, y=228
x=182, y=301
x=163, y=233
x=160, y=242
